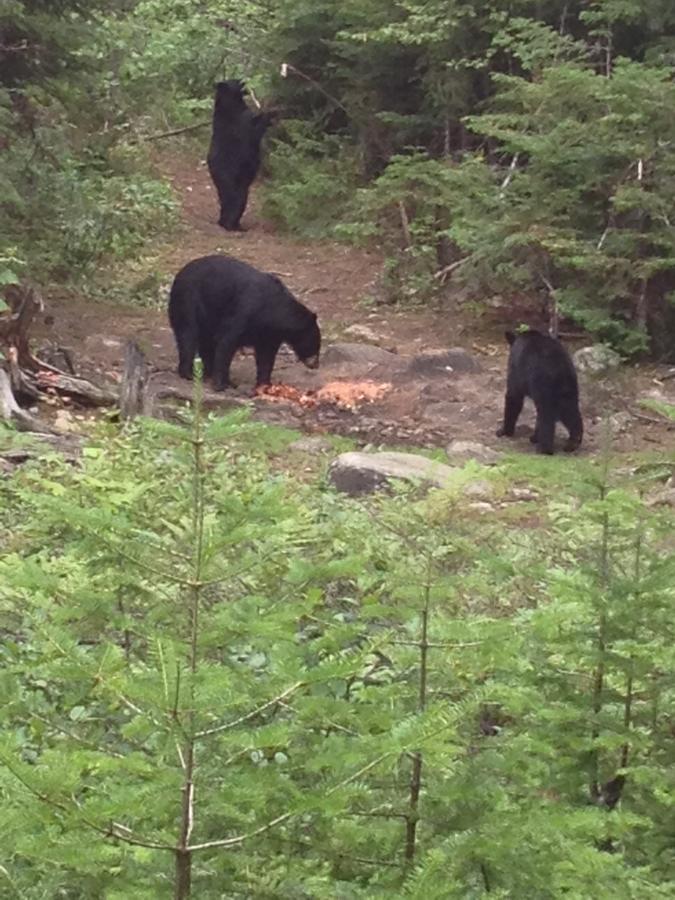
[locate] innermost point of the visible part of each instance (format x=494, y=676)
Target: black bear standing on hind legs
x=234, y=152
x=218, y=304
x=542, y=369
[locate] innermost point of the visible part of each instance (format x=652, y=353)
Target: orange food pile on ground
x=345, y=394
x=348, y=394
x=287, y=392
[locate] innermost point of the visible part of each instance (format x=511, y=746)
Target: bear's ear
x=510, y=336
x=314, y=316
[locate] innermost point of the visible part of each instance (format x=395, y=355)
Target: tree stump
x=134, y=382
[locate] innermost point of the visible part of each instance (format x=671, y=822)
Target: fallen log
x=81, y=389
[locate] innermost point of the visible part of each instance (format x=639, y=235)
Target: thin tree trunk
x=183, y=883
x=412, y=818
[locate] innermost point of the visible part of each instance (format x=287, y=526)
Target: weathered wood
x=134, y=382
x=12, y=412
x=80, y=388
x=67, y=445
x=24, y=303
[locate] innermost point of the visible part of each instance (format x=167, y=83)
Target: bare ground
x=341, y=283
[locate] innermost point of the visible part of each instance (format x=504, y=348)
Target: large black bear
x=218, y=304
x=234, y=152
x=542, y=369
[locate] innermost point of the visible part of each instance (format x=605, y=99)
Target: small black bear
x=542, y=369
x=234, y=153
x=219, y=304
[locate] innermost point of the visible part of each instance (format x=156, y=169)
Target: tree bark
x=134, y=382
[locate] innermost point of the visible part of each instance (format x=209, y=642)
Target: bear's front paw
x=503, y=432
x=220, y=385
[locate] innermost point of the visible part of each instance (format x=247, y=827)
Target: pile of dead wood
x=26, y=379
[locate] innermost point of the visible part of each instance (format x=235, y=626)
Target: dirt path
x=425, y=409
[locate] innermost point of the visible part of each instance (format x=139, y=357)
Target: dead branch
x=174, y=131
x=554, y=322
x=287, y=67
x=405, y=224
x=650, y=420
x=509, y=175
x=446, y=270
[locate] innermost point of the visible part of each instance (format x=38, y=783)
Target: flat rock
x=358, y=355
x=665, y=497
x=311, y=444
x=596, y=359
x=455, y=361
x=460, y=452
x=361, y=473
x=363, y=333
x=523, y=494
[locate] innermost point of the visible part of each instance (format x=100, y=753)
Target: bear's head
x=306, y=343
x=230, y=94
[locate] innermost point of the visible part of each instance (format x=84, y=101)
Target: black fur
x=542, y=369
x=218, y=304
x=234, y=152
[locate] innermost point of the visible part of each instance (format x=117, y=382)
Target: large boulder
x=361, y=473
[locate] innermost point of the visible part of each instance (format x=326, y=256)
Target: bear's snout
x=312, y=362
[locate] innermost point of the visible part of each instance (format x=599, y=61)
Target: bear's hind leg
x=225, y=347
x=571, y=419
x=513, y=404
x=545, y=428
x=186, y=341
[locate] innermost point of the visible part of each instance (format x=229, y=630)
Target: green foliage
x=400, y=690
x=556, y=103
x=665, y=409
x=310, y=180
x=81, y=85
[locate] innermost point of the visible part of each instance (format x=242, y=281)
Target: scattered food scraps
x=276, y=392
x=348, y=394
x=344, y=394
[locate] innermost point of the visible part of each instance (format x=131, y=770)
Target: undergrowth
x=216, y=676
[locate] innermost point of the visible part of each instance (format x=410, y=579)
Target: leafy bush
x=310, y=180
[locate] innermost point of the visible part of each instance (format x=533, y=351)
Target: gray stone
x=481, y=506
x=478, y=490
x=596, y=359
x=665, y=497
x=311, y=444
x=455, y=361
x=620, y=422
x=524, y=494
x=363, y=333
x=460, y=452
x=358, y=354
x=361, y=473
